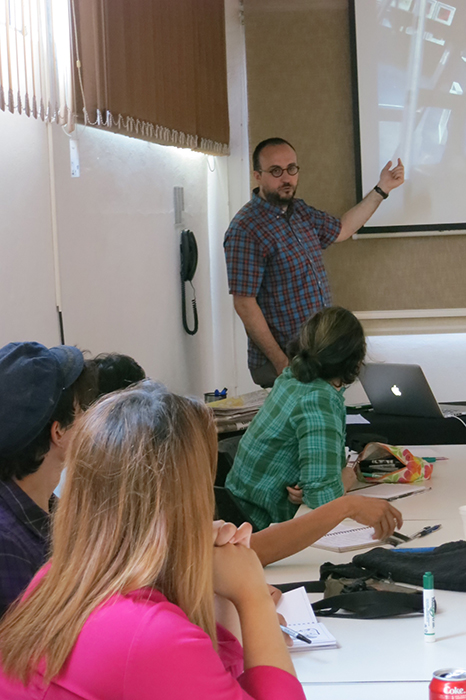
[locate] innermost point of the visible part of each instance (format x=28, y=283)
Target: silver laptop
x=403, y=390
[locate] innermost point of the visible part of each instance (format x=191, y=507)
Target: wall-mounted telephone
x=188, y=250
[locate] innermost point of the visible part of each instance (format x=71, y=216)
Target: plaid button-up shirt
x=298, y=437
x=24, y=541
x=276, y=256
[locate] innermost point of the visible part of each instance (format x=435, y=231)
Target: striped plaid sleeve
x=320, y=443
x=246, y=263
x=326, y=226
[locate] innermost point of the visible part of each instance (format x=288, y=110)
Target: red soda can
x=448, y=684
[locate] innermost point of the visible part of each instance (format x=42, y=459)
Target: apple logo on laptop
x=394, y=389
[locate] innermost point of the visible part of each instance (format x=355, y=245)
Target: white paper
x=353, y=419
x=296, y=609
x=345, y=537
x=390, y=492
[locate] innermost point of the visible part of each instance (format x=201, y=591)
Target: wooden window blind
x=154, y=69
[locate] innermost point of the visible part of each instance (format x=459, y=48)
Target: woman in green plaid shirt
x=298, y=436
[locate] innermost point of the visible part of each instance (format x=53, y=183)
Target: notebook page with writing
x=296, y=609
x=346, y=536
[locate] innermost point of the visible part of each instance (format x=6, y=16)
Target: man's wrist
x=380, y=191
x=279, y=361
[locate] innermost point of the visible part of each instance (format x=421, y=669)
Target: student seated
x=125, y=607
x=40, y=391
x=116, y=371
x=298, y=436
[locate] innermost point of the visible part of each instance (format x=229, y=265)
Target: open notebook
x=296, y=609
x=347, y=536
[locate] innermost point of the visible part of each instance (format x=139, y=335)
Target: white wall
x=118, y=249
x=119, y=253
x=27, y=289
x=117, y=242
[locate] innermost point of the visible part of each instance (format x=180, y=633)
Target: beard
x=282, y=196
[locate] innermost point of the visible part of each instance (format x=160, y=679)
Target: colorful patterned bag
x=406, y=467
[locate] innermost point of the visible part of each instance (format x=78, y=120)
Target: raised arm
x=258, y=330
x=357, y=216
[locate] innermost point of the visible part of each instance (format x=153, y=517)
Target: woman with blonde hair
x=125, y=607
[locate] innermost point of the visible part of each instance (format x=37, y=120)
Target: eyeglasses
x=276, y=171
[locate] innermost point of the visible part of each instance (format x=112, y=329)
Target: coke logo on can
x=448, y=683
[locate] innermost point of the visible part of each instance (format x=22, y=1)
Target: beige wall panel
x=299, y=86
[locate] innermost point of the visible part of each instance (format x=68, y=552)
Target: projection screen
x=409, y=81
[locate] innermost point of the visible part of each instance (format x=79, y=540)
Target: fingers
x=288, y=640
x=387, y=523
x=380, y=515
x=275, y=593
x=228, y=533
x=223, y=533
x=391, y=178
x=295, y=495
x=397, y=515
x=383, y=528
x=242, y=535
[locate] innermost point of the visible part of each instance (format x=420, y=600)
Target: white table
x=389, y=658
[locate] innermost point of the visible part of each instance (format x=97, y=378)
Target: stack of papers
x=299, y=615
x=237, y=413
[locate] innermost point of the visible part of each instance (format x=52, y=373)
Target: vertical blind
x=155, y=69
x=35, y=59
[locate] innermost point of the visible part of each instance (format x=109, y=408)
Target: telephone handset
x=188, y=250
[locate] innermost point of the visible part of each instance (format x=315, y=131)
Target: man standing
x=41, y=390
x=273, y=249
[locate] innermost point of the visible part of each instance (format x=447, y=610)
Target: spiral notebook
x=345, y=537
x=295, y=607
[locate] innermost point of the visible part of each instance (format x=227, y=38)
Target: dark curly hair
x=116, y=372
x=330, y=346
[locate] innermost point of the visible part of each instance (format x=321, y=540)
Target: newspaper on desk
x=296, y=609
x=236, y=413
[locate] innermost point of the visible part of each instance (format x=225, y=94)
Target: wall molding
x=413, y=321
x=407, y=234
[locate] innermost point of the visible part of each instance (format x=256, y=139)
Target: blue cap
x=32, y=380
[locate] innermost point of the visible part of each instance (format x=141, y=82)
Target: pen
x=426, y=531
x=295, y=635
x=414, y=550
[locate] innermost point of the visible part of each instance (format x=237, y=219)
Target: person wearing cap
x=40, y=391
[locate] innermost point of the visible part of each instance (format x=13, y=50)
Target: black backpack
x=364, y=588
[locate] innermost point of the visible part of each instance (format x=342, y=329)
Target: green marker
x=429, y=607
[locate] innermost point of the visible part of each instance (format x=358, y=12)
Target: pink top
x=141, y=647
